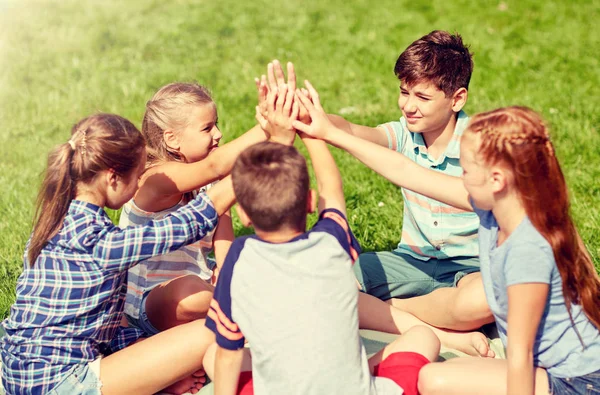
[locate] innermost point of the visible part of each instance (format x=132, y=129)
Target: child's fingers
x=278, y=72
x=308, y=105
x=271, y=77
x=281, y=97
x=302, y=127
x=289, y=101
x=291, y=81
x=314, y=95
x=271, y=100
x=260, y=119
x=295, y=110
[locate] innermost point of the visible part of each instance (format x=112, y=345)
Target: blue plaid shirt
x=70, y=303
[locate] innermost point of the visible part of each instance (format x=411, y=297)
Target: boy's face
x=426, y=108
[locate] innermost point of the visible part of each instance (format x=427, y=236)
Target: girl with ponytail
x=539, y=280
x=63, y=335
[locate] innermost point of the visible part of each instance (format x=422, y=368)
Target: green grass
x=61, y=60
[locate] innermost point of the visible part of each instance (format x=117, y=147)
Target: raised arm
x=374, y=135
x=392, y=165
x=329, y=180
x=171, y=178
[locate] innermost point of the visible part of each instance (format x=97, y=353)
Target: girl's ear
x=111, y=178
x=499, y=179
x=243, y=216
x=459, y=99
x=171, y=139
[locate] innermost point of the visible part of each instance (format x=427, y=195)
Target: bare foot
x=471, y=343
x=191, y=384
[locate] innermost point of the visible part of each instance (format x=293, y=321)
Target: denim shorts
x=393, y=274
x=587, y=384
x=83, y=379
x=142, y=322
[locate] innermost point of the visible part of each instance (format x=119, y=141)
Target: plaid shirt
x=70, y=303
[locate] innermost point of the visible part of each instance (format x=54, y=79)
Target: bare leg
x=419, y=339
x=377, y=315
x=464, y=376
x=176, y=302
x=157, y=362
x=463, y=308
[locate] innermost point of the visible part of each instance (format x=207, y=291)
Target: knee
x=191, y=296
x=423, y=341
x=430, y=382
x=468, y=308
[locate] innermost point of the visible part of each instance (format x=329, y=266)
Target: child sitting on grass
x=292, y=293
x=63, y=335
x=539, y=279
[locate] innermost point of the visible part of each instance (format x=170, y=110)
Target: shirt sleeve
x=124, y=337
x=220, y=319
x=528, y=263
x=395, y=135
x=118, y=249
x=332, y=221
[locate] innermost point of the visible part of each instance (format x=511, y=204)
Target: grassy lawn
x=61, y=60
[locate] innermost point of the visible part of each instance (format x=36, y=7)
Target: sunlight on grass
x=62, y=60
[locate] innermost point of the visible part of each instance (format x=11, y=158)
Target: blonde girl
x=182, y=140
x=63, y=335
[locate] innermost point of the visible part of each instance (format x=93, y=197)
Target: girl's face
x=201, y=136
x=476, y=175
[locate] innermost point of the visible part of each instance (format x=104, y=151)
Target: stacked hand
x=282, y=109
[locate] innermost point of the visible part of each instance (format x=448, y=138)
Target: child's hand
x=263, y=90
x=303, y=115
x=320, y=123
x=282, y=111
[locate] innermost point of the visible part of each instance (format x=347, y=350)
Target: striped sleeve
x=220, y=320
x=335, y=223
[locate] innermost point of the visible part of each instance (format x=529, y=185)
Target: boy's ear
x=171, y=139
x=459, y=99
x=243, y=216
x=311, y=202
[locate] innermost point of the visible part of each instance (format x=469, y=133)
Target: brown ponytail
x=99, y=142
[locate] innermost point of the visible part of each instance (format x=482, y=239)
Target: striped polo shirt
x=189, y=259
x=432, y=229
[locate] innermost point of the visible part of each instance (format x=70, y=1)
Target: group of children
x=140, y=307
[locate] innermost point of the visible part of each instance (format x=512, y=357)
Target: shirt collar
x=79, y=206
x=453, y=148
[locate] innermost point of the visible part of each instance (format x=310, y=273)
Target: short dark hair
x=440, y=58
x=271, y=184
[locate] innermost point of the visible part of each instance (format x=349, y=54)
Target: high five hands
x=283, y=109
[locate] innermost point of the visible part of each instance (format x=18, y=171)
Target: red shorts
x=403, y=368
x=245, y=386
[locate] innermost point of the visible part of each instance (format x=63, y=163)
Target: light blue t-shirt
x=527, y=257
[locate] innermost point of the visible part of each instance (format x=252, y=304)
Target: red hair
x=518, y=138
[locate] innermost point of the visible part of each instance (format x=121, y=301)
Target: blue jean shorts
x=581, y=385
x=142, y=322
x=83, y=379
x=393, y=274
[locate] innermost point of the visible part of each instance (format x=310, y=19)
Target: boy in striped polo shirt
x=434, y=271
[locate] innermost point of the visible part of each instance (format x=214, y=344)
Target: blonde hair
x=99, y=142
x=518, y=138
x=167, y=110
